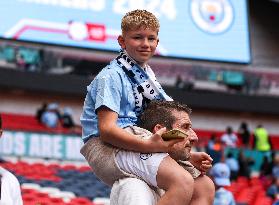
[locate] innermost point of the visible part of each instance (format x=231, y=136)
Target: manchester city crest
x=212, y=16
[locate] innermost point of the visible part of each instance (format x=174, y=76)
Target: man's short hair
x=139, y=18
x=161, y=112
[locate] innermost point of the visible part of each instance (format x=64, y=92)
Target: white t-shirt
x=10, y=189
x=230, y=140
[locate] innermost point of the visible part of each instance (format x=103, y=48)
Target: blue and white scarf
x=145, y=88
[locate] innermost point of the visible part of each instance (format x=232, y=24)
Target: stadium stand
x=23, y=122
x=57, y=184
x=69, y=184
x=30, y=123
x=256, y=82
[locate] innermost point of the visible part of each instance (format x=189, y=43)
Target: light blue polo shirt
x=223, y=197
x=110, y=88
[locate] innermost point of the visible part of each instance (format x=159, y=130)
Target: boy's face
x=140, y=44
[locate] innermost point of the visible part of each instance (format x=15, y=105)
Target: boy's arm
x=112, y=134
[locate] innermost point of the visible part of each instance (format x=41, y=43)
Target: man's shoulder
x=8, y=175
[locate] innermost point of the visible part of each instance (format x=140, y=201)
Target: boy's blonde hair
x=139, y=18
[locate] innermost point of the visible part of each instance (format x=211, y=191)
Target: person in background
x=273, y=189
x=179, y=83
x=244, y=134
x=51, y=117
x=220, y=174
x=20, y=61
x=267, y=166
x=67, y=118
x=215, y=148
x=229, y=139
x=233, y=165
x=10, y=193
x=40, y=112
x=214, y=143
x=275, y=168
x=261, y=139
x=245, y=164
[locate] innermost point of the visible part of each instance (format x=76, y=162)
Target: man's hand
x=201, y=161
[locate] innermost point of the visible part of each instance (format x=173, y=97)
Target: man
x=229, y=138
x=9, y=186
x=169, y=114
x=262, y=141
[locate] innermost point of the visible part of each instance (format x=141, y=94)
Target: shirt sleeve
x=108, y=91
x=16, y=191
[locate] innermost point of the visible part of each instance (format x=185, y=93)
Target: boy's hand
x=159, y=145
x=201, y=160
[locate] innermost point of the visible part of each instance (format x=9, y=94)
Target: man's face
x=140, y=44
x=184, y=123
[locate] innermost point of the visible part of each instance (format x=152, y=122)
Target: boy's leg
x=176, y=181
x=204, y=191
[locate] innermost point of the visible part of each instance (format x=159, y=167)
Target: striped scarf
x=145, y=89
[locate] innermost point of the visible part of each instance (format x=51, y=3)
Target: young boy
x=9, y=186
x=114, y=101
x=220, y=173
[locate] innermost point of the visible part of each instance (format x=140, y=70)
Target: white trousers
x=132, y=191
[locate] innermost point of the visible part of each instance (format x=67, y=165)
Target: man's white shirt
x=10, y=189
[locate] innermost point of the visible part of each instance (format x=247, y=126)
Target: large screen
x=197, y=29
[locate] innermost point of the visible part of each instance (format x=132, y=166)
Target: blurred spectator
x=261, y=139
x=220, y=174
x=179, y=82
x=20, y=62
x=67, y=119
x=10, y=192
x=215, y=148
x=266, y=167
x=244, y=134
x=40, y=112
x=229, y=138
x=184, y=84
x=51, y=116
x=273, y=189
x=245, y=164
x=233, y=165
x=214, y=143
x=275, y=169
